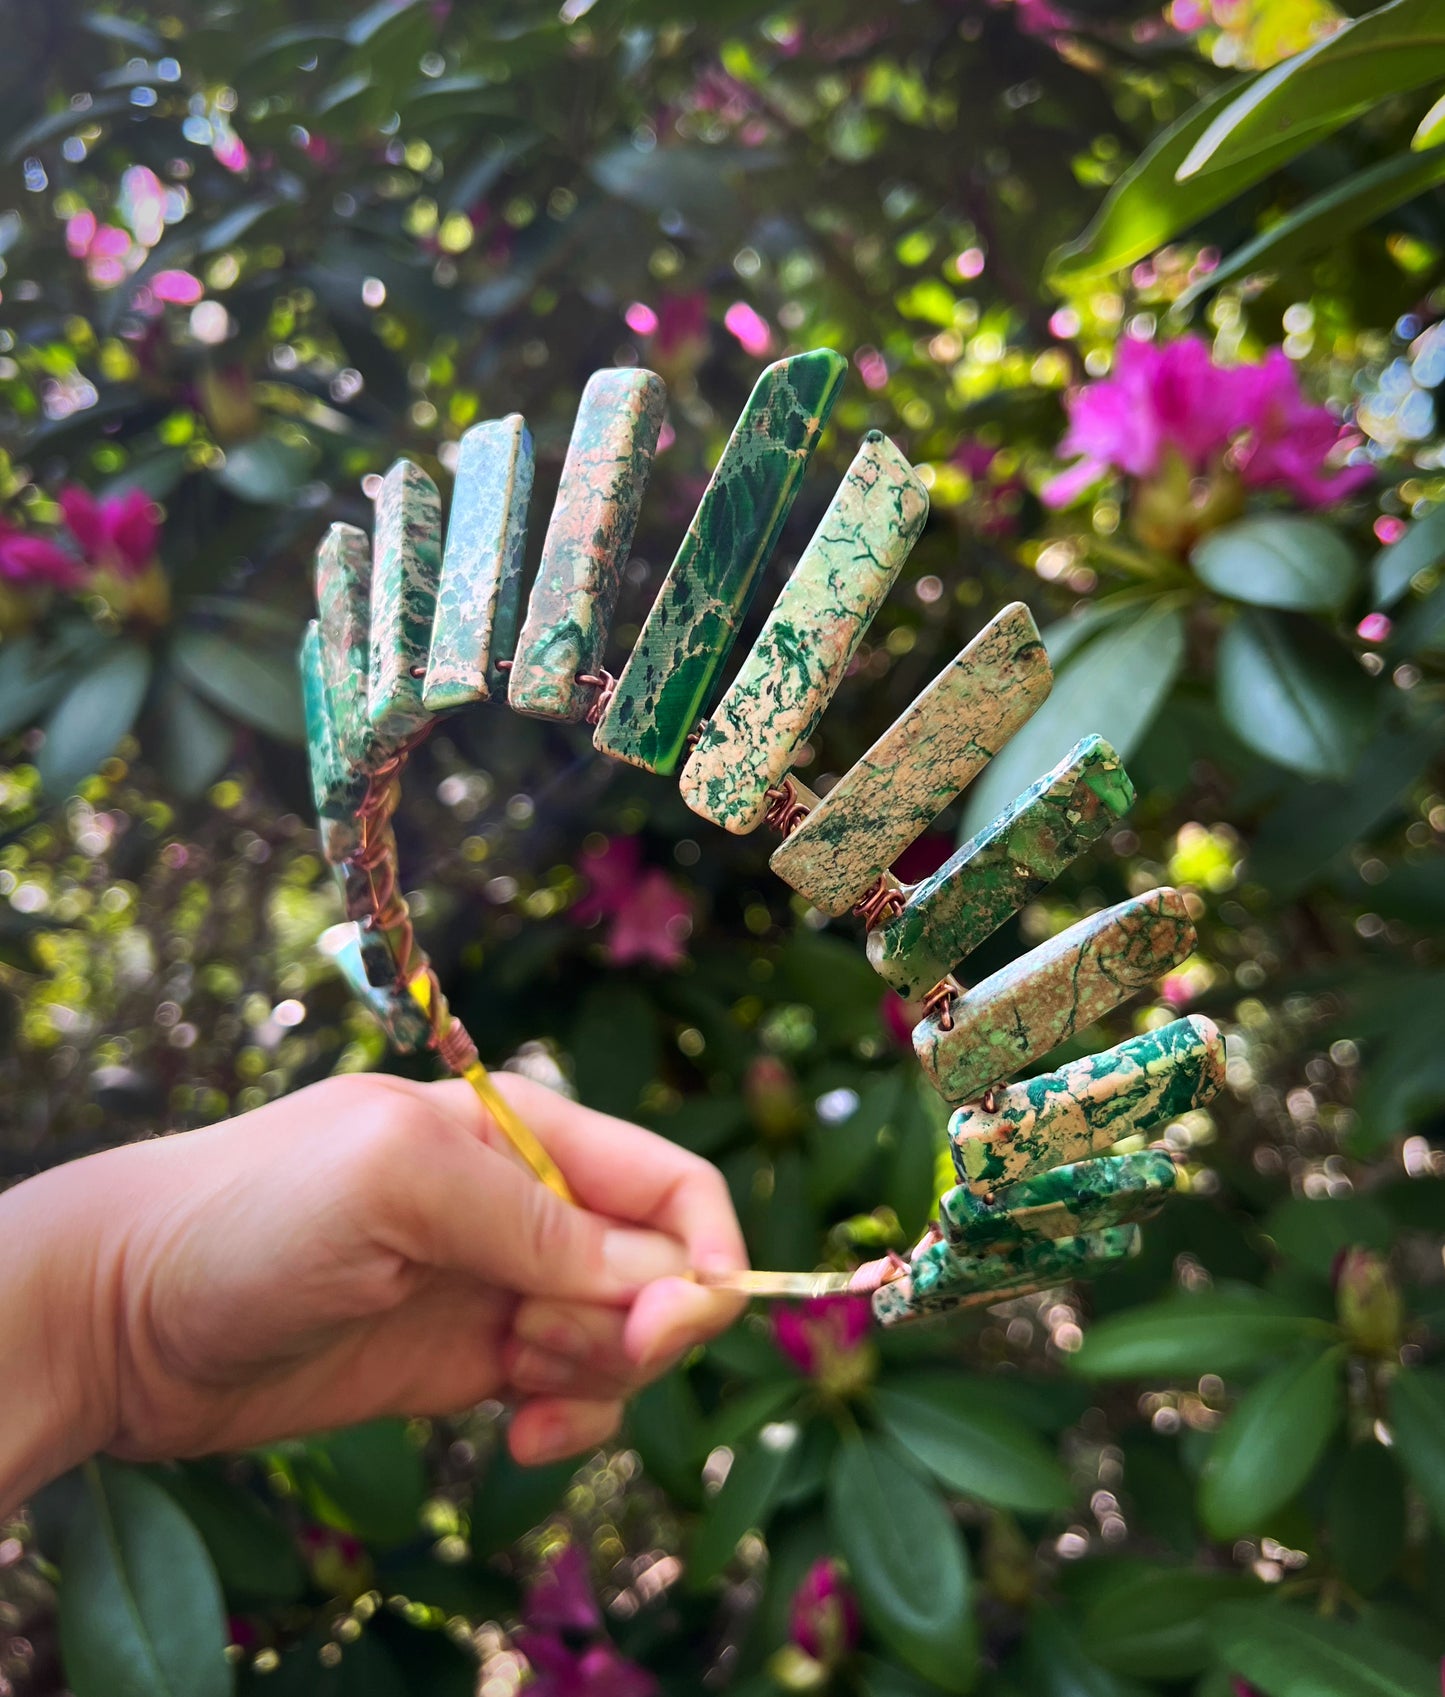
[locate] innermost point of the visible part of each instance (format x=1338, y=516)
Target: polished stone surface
x=1089, y=1105
x=569, y=612
x=891, y=796
x=343, y=601
x=813, y=631
x=406, y=566
x=480, y=588
x=1003, y=866
x=390, y=1004
x=1028, y=1008
x=669, y=677
x=336, y=786
x=1067, y=1201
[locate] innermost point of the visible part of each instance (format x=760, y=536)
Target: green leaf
x=615, y=1053
x=1147, y=207
x=1420, y=549
x=973, y=1451
x=1284, y=1652
x=1312, y=1233
x=1270, y=1444
x=368, y=1480
x=1367, y=1516
x=1325, y=219
x=1217, y=1331
x=907, y=1561
x=1417, y=1416
x=510, y=1499
x=194, y=741
x=1293, y=693
x=1430, y=131
x=254, y=1554
x=1052, y=1663
x=1154, y=1624
x=1112, y=684
x=1276, y=561
x=266, y=470
x=259, y=686
x=745, y=1500
x=141, y=1613
x=33, y=672
x=94, y=714
x=1388, y=51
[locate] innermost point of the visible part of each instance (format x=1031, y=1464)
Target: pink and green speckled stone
x=1028, y=1008
x=406, y=566
x=480, y=589
x=891, y=796
x=1067, y=1201
x=337, y=786
x=569, y=612
x=343, y=602
x=1089, y=1105
x=1003, y=866
x=669, y=676
x=810, y=636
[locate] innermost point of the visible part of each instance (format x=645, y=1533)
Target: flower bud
x=824, y=1622
x=1367, y=1301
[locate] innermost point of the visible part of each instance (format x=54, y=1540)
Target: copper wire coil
x=785, y=812
x=604, y=682
x=883, y=901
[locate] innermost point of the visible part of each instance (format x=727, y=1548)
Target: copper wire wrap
x=939, y=1002
x=604, y=682
x=785, y=812
x=882, y=902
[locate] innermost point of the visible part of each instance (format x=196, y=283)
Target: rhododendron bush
x=1152, y=295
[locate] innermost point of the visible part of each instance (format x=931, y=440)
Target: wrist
x=52, y=1340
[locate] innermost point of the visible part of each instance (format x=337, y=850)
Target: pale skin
x=368, y=1246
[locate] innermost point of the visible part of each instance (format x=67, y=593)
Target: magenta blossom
x=559, y=1610
x=105, y=248
x=560, y=1598
x=650, y=918
x=116, y=535
x=35, y=562
x=1169, y=404
x=814, y=1334
x=823, y=1620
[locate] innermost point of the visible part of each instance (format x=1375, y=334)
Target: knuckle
x=546, y=1228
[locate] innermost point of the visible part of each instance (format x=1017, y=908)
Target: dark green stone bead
x=1068, y=1201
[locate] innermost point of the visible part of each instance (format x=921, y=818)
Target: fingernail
x=636, y=1258
x=537, y=1370
x=553, y=1443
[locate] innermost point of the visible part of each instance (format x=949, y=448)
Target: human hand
x=367, y=1246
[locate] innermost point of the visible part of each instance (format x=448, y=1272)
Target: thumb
x=477, y=1211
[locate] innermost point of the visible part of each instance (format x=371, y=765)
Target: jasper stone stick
x=1031, y=1006
x=940, y=1274
x=812, y=633
x=569, y=612
x=405, y=567
x=1006, y=864
x=1088, y=1105
x=343, y=601
x=480, y=588
x=1066, y=1201
x=669, y=677
x=890, y=797
x=337, y=787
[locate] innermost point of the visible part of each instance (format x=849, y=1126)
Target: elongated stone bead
x=669, y=676
x=337, y=787
x=480, y=588
x=1089, y=1105
x=406, y=566
x=1084, y=1196
x=940, y=1279
x=588, y=537
x=359, y=962
x=813, y=631
x=1007, y=863
x=885, y=802
x=1028, y=1008
x=343, y=602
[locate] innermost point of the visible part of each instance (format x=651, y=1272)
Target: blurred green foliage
x=257, y=251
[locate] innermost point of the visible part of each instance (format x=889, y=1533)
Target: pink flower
x=599, y=1670
x=898, y=1018
x=116, y=535
x=35, y=562
x=178, y=288
x=1170, y=402
x=228, y=149
x=651, y=918
x=753, y=333
x=103, y=247
x=814, y=1334
x=1290, y=441
x=823, y=1620
x=560, y=1603
x=1242, y=1688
